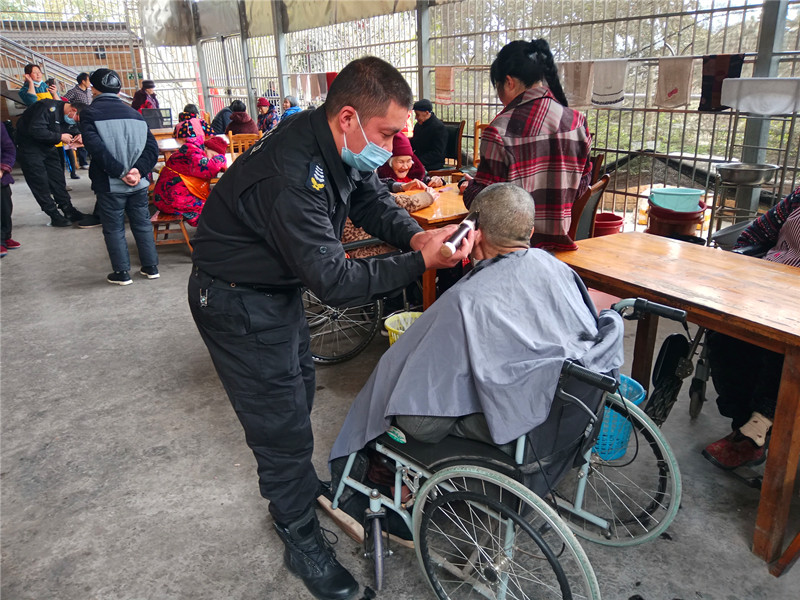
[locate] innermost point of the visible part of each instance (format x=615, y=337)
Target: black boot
x=309, y=556
x=57, y=220
x=73, y=214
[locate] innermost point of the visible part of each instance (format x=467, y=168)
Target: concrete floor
x=125, y=474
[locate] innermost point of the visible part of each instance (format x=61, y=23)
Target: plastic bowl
x=677, y=199
x=398, y=323
x=746, y=174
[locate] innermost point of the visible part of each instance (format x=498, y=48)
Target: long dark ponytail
x=530, y=62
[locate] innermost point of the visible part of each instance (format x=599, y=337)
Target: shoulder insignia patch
x=52, y=109
x=316, y=177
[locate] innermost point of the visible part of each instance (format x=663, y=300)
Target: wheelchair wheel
x=697, y=396
x=637, y=493
x=377, y=550
x=339, y=334
x=480, y=534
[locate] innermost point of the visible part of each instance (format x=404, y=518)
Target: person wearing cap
x=145, y=97
x=41, y=130
x=272, y=227
x=241, y=122
x=430, y=136
x=124, y=153
x=290, y=106
x=183, y=184
x=267, y=115
x=404, y=172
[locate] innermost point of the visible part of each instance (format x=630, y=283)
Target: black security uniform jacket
x=42, y=124
x=276, y=217
x=430, y=142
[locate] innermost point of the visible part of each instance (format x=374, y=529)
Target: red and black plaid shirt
x=543, y=147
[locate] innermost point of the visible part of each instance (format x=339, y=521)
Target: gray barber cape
x=493, y=343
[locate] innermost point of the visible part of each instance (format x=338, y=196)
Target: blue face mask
x=370, y=158
x=69, y=120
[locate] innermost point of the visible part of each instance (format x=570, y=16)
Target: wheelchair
x=675, y=360
x=501, y=522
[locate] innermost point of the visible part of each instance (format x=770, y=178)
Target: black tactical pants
x=44, y=174
x=259, y=343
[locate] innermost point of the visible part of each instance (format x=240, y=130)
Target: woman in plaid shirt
x=536, y=142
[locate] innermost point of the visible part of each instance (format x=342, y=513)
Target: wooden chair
x=584, y=210
x=163, y=226
x=452, y=151
x=241, y=142
x=597, y=167
x=476, y=150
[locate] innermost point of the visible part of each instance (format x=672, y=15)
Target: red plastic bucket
x=607, y=224
x=669, y=222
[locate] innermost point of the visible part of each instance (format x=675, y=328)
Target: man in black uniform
x=39, y=129
x=272, y=225
x=430, y=136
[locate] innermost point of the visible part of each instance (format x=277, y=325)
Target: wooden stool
x=162, y=225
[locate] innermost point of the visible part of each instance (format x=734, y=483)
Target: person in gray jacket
x=124, y=153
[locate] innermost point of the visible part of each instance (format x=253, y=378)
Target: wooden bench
x=163, y=226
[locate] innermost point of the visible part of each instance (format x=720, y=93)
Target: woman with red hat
x=404, y=171
x=184, y=183
x=267, y=115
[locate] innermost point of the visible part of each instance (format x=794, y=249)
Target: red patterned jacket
x=543, y=147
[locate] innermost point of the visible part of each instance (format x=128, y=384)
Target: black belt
x=261, y=289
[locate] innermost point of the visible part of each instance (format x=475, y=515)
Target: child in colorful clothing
x=190, y=111
x=183, y=184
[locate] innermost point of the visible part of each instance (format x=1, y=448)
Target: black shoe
x=89, y=221
x=119, y=278
x=73, y=214
x=74, y=176
x=150, y=272
x=58, y=220
x=310, y=556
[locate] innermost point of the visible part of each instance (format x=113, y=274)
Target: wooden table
x=447, y=208
x=163, y=133
x=747, y=298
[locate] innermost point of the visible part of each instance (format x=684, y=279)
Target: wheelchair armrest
x=757, y=251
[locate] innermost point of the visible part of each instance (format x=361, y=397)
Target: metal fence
x=644, y=144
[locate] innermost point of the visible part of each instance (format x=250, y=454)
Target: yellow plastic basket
x=397, y=324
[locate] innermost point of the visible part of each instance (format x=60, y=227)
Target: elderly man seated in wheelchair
x=484, y=361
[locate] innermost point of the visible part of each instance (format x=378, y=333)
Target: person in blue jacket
x=290, y=107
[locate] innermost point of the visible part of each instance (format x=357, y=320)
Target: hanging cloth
x=576, y=79
x=609, y=82
x=445, y=84
x=674, y=84
x=716, y=69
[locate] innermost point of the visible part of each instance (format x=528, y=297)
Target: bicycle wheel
x=339, y=334
x=637, y=493
x=480, y=534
